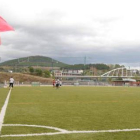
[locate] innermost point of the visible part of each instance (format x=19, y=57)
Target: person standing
x=57, y=83
x=60, y=83
x=53, y=83
x=11, y=82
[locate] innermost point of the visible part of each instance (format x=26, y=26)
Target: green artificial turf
x=24, y=130
x=74, y=108
x=3, y=95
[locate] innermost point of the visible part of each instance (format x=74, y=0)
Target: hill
x=34, y=61
x=23, y=78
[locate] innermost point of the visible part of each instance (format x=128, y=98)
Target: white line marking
x=62, y=131
x=3, y=110
x=41, y=126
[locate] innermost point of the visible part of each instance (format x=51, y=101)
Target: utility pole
x=52, y=65
x=85, y=60
x=84, y=65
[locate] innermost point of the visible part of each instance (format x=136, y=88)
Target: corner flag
x=4, y=26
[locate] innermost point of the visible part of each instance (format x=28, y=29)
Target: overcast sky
x=103, y=31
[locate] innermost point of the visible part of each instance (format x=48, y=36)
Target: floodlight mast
x=85, y=60
x=52, y=65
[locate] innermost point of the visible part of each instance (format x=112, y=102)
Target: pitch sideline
x=3, y=110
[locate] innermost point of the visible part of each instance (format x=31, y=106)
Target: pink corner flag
x=4, y=26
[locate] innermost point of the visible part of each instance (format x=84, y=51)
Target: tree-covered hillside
x=87, y=66
x=22, y=65
x=34, y=61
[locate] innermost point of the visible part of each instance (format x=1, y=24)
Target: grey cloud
x=66, y=42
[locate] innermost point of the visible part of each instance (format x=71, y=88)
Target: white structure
x=129, y=80
x=10, y=71
x=72, y=72
x=121, y=72
x=58, y=73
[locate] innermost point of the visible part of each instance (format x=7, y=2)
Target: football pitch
x=71, y=113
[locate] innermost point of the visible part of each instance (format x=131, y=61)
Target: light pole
x=85, y=59
x=52, y=65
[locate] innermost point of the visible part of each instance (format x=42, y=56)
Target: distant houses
x=67, y=72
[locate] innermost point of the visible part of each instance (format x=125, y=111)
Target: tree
x=31, y=69
x=109, y=79
x=38, y=72
x=47, y=74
